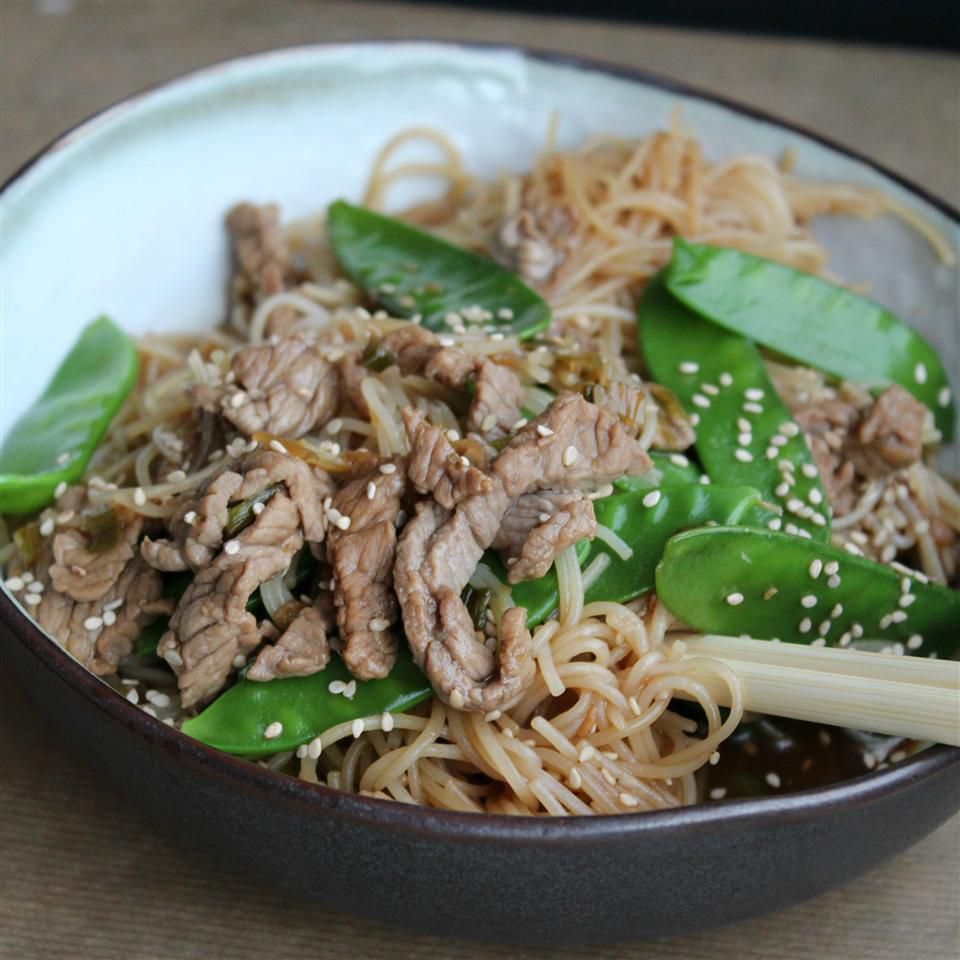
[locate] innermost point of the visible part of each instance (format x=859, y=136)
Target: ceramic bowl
x=123, y=215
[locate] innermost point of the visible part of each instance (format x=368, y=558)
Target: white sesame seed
x=943, y=397
x=831, y=567
x=792, y=528
x=771, y=453
x=489, y=422
x=457, y=700
x=109, y=618
x=915, y=642
x=815, y=567
x=810, y=471
x=32, y=599
x=544, y=430
x=314, y=748
x=379, y=624
x=336, y=687
x=132, y=695
x=833, y=581
x=651, y=499
x=629, y=800
x=857, y=630
x=570, y=456
x=231, y=547
x=920, y=373
x=704, y=479
x=357, y=728
x=789, y=429
x=775, y=524
x=464, y=461
x=836, y=611
x=173, y=658
x=906, y=599
x=586, y=753
x=13, y=584
x=734, y=599
x=744, y=456
x=779, y=440
x=258, y=508
x=609, y=777
x=709, y=389
x=718, y=793
x=350, y=690
x=699, y=400
x=343, y=523
x=782, y=489
x=273, y=730
x=694, y=419
x=493, y=716
x=679, y=460
x=36, y=587
x=815, y=496
x=714, y=758
x=819, y=519
x=505, y=313
x=753, y=393
x=885, y=621
x=744, y=439
x=688, y=366
x=806, y=625
x=752, y=408
x=238, y=661
x=520, y=424
x=898, y=616
x=824, y=628
x=371, y=490
x=744, y=425
x=158, y=699
x=808, y=601
x=92, y=623
x=869, y=761
x=773, y=780
x=46, y=527
x=574, y=779
x=26, y=576
x=726, y=380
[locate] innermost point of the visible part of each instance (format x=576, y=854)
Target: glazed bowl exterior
x=123, y=215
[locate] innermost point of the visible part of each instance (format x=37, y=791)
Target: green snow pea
x=412, y=272
x=53, y=441
x=235, y=722
x=673, y=469
x=645, y=522
x=769, y=585
x=810, y=320
x=745, y=433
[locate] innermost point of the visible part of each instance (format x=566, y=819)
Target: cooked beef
x=674, y=429
x=497, y=392
x=352, y=373
x=826, y=425
x=100, y=632
x=572, y=444
x=362, y=556
x=260, y=262
x=533, y=244
x=434, y=467
x=211, y=625
x=85, y=574
x=285, y=389
x=538, y=527
x=890, y=435
x=301, y=650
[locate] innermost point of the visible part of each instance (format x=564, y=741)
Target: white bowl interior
x=124, y=216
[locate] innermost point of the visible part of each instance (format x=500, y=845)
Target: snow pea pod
x=769, y=585
x=411, y=272
x=53, y=441
x=644, y=520
x=669, y=470
x=811, y=320
x=745, y=433
x=236, y=721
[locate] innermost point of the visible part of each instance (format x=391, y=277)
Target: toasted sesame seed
x=815, y=496
x=46, y=527
x=158, y=699
x=744, y=425
x=789, y=429
x=753, y=393
x=744, y=439
x=744, y=456
x=357, y=728
x=544, y=430
x=32, y=599
x=771, y=453
x=231, y=547
x=709, y=389
x=773, y=780
x=574, y=779
x=13, y=584
x=782, y=489
x=651, y=499
x=570, y=456
x=943, y=397
x=775, y=524
x=336, y=687
x=699, y=400
x=36, y=587
x=806, y=625
x=718, y=793
x=920, y=373
x=694, y=419
x=688, y=366
x=714, y=758
x=751, y=407
x=343, y=523
x=586, y=753
x=808, y=601
x=132, y=695
x=93, y=623
x=520, y=424
x=379, y=624
x=273, y=730
x=349, y=690
x=457, y=700
x=906, y=599
x=831, y=567
x=726, y=379
x=815, y=567
x=277, y=446
x=898, y=616
x=734, y=599
x=679, y=460
x=629, y=800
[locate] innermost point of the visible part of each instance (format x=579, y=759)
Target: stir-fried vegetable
x=768, y=585
x=641, y=522
x=745, y=433
x=236, y=721
x=413, y=273
x=810, y=320
x=242, y=514
x=53, y=441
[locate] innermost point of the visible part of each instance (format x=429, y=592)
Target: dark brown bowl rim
x=318, y=799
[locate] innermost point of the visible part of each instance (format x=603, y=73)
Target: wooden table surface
x=82, y=873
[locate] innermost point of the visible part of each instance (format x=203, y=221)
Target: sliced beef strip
x=302, y=650
x=890, y=435
x=260, y=262
x=131, y=602
x=572, y=444
x=211, y=625
x=362, y=557
x=285, y=388
x=538, y=527
x=352, y=374
x=534, y=242
x=497, y=395
x=434, y=467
